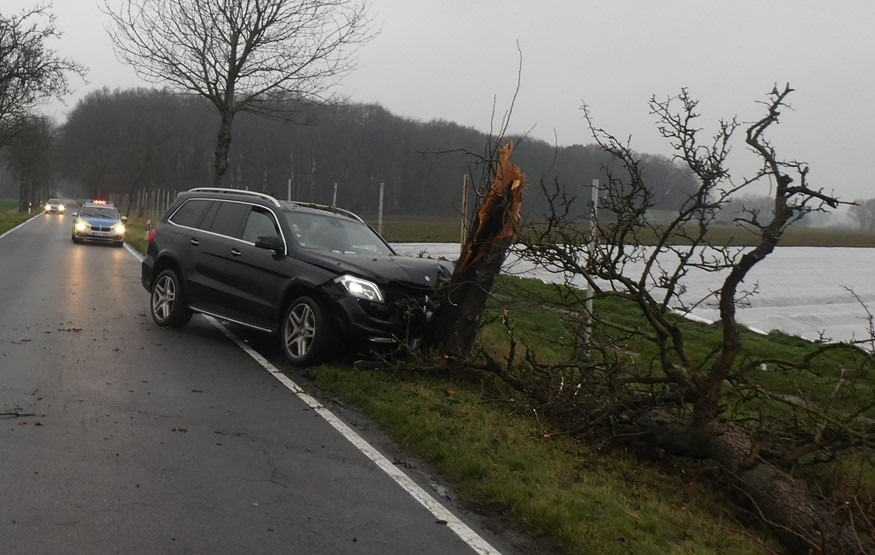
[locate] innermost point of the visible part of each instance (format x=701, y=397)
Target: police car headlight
x=119, y=228
x=361, y=288
x=81, y=225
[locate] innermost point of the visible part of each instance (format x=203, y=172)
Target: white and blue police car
x=99, y=220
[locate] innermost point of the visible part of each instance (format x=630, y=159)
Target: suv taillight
x=152, y=234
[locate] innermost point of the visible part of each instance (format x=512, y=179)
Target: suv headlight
x=361, y=288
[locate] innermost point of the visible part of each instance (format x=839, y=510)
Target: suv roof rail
x=334, y=209
x=263, y=196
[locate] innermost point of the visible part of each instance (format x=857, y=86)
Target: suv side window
x=190, y=213
x=259, y=223
x=229, y=218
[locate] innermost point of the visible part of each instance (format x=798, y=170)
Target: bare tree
x=29, y=154
x=30, y=72
x=261, y=56
x=863, y=212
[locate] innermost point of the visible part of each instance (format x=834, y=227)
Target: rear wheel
x=167, y=304
x=305, y=331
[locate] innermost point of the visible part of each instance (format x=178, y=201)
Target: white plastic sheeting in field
x=799, y=290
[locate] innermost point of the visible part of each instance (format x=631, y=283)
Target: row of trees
x=30, y=74
x=129, y=141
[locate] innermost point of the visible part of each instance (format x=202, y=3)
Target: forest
x=124, y=142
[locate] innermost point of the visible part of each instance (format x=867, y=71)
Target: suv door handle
x=194, y=242
x=236, y=253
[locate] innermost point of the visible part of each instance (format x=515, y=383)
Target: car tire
x=118, y=244
x=75, y=239
x=167, y=301
x=305, y=331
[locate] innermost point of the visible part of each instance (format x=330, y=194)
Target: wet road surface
x=117, y=436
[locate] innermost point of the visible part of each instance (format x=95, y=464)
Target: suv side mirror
x=271, y=243
x=124, y=219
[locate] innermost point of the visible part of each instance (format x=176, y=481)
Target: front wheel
x=305, y=331
x=167, y=302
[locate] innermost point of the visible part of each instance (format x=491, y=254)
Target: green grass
x=135, y=233
x=10, y=216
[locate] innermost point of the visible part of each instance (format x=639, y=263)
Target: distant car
x=54, y=206
x=99, y=221
x=317, y=276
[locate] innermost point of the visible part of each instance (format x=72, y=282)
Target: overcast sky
x=457, y=59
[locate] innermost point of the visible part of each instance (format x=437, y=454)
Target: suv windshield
x=99, y=212
x=331, y=233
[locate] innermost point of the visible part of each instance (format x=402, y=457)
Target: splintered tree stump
x=457, y=319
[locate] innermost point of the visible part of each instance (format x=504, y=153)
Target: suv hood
x=422, y=272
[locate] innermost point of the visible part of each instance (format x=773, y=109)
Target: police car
x=98, y=220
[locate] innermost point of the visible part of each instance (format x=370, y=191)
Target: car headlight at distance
x=81, y=225
x=61, y=207
x=119, y=228
x=361, y=288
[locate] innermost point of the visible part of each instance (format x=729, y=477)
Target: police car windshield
x=99, y=212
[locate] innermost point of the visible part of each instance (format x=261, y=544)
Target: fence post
x=593, y=226
x=380, y=210
x=463, y=233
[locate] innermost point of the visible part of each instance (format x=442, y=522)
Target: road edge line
x=27, y=221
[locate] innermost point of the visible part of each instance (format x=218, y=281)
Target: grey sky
x=454, y=59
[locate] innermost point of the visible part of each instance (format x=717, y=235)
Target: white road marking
x=465, y=533
x=21, y=224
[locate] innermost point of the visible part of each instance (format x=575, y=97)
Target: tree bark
x=804, y=524
x=223, y=147
x=457, y=319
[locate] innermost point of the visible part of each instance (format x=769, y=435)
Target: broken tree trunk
x=802, y=521
x=457, y=318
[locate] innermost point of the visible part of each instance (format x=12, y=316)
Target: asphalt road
x=119, y=437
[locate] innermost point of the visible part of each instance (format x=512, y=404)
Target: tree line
x=129, y=141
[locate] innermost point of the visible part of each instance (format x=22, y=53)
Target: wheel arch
x=166, y=262
x=299, y=289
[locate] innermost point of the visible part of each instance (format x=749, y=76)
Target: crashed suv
x=319, y=277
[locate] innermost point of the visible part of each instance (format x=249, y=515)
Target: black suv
x=318, y=276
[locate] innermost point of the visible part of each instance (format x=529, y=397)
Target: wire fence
x=150, y=205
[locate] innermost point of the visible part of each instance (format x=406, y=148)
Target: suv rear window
x=190, y=213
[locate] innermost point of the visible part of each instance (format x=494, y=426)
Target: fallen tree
x=691, y=404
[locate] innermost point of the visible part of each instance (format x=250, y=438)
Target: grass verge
x=10, y=216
